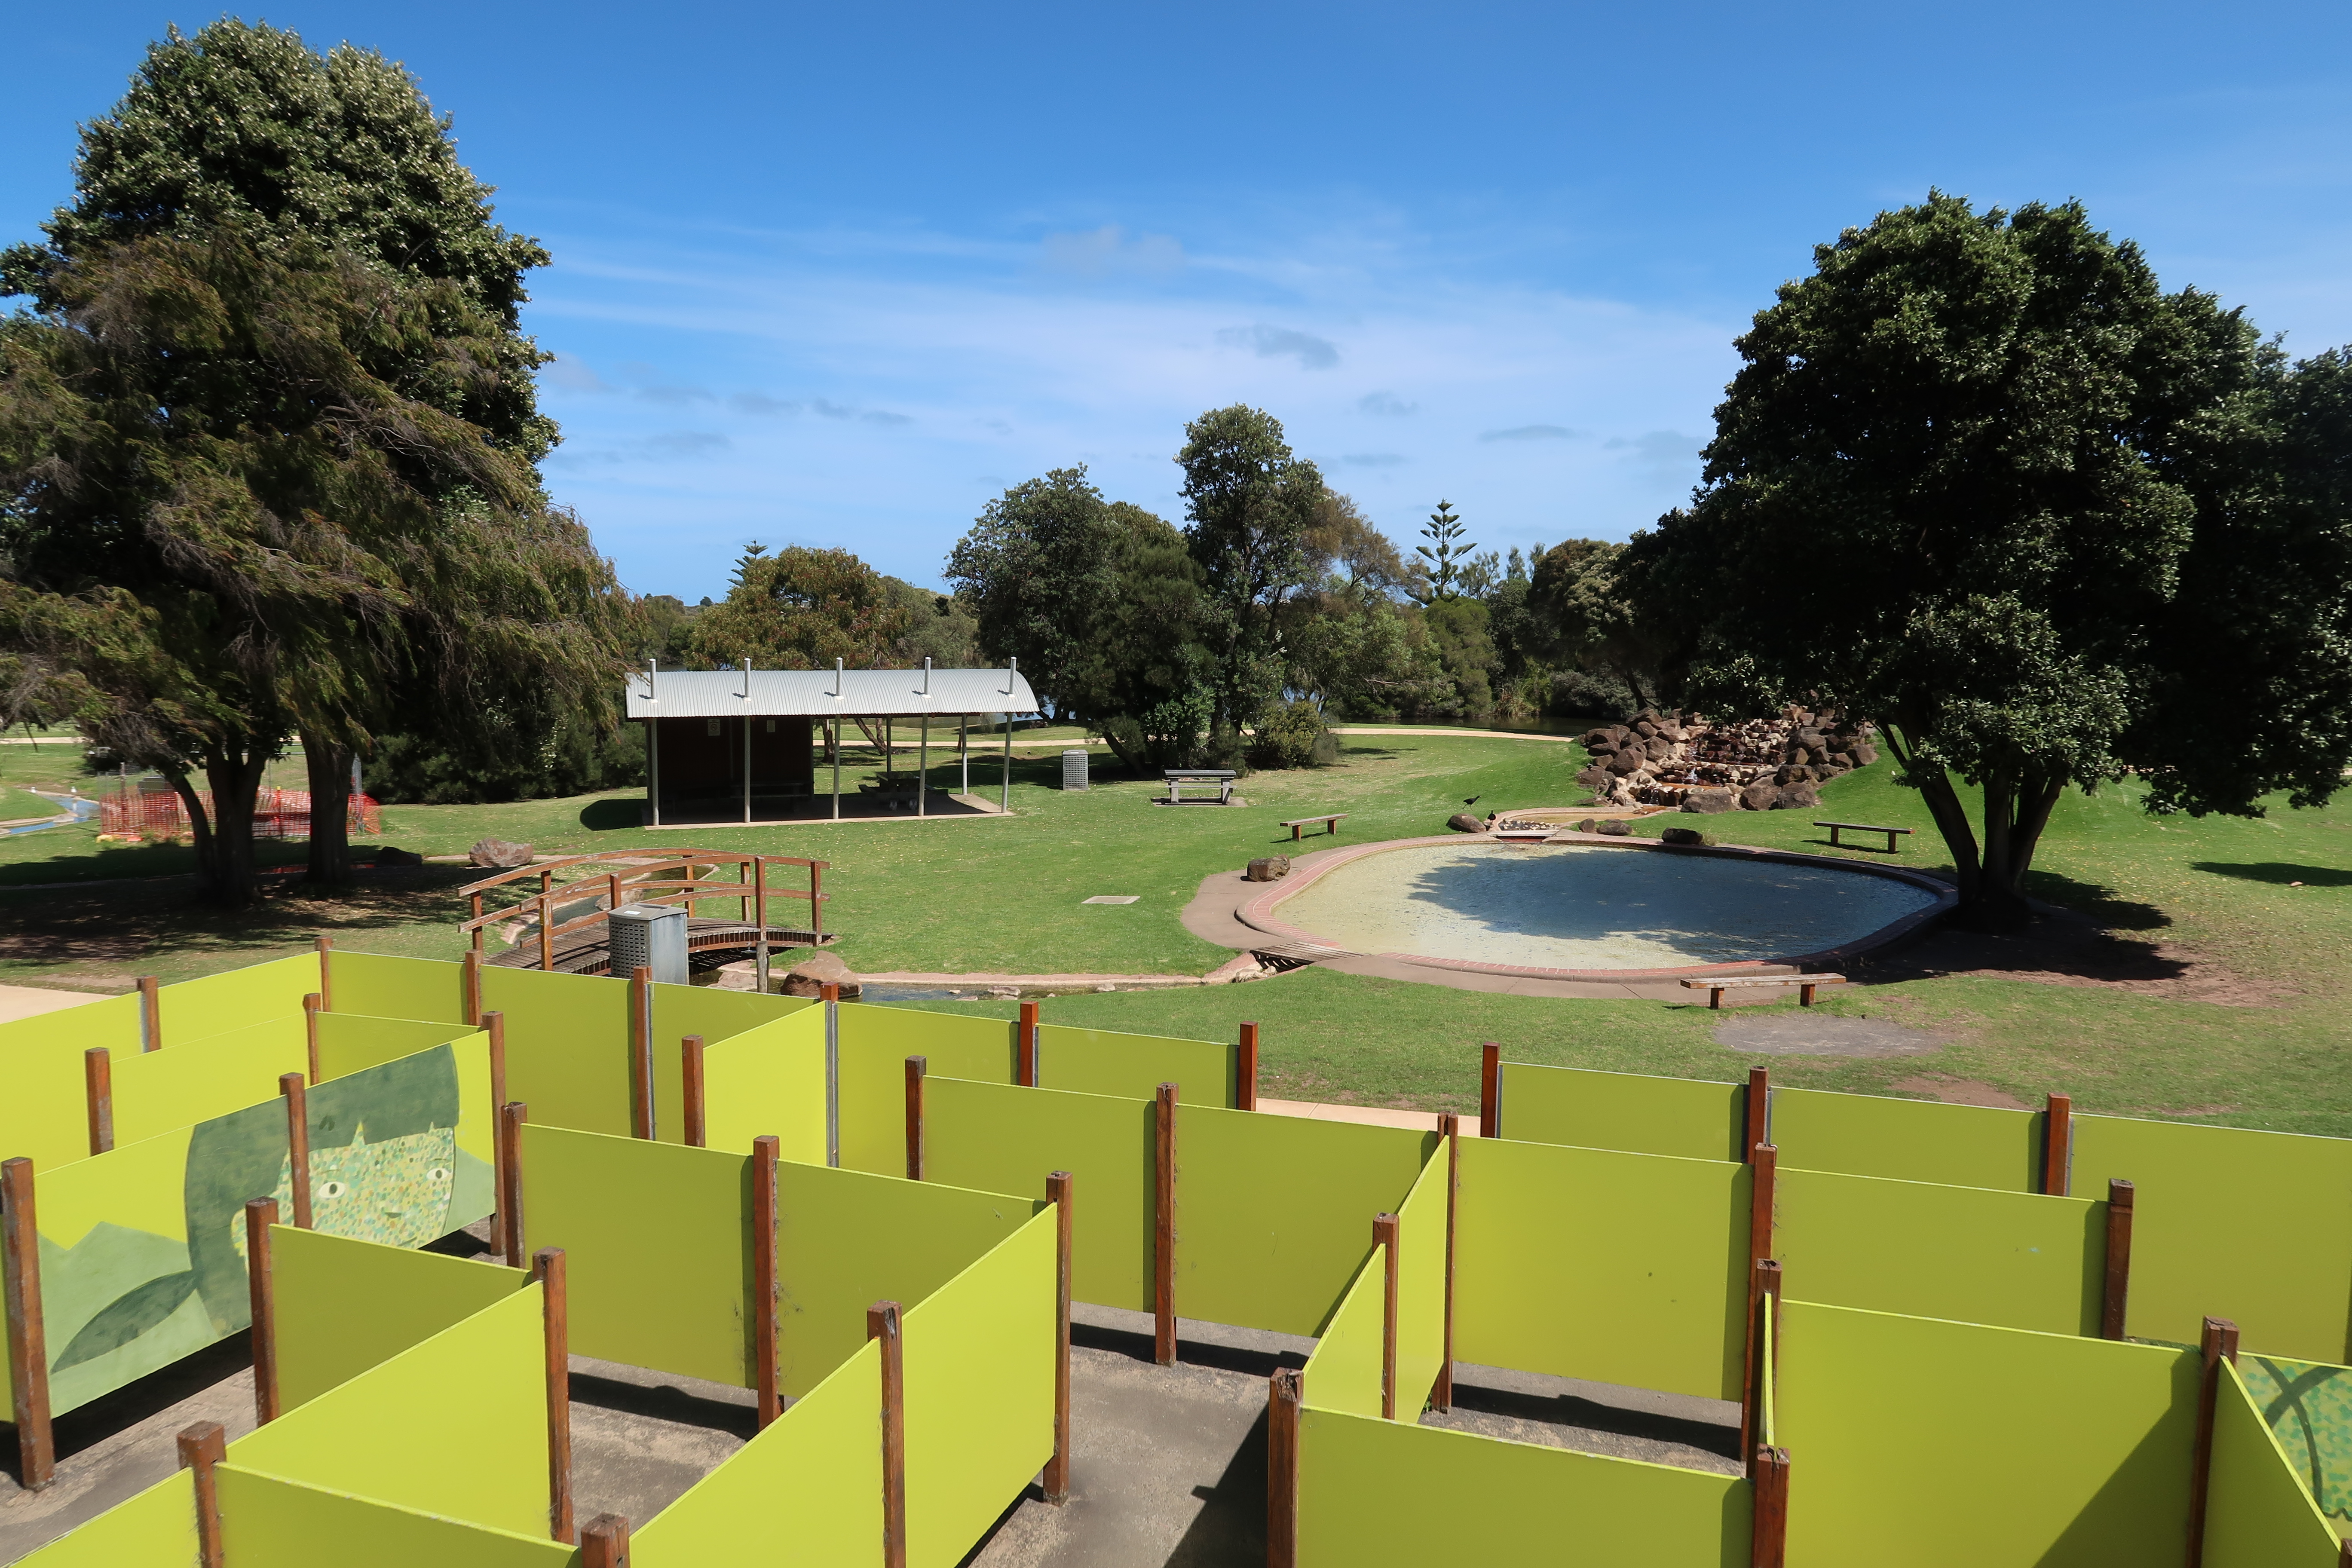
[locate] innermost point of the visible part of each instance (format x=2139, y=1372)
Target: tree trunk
x=235, y=777
x=330, y=767
x=1934, y=788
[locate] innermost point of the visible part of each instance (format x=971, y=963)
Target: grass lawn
x=2251, y=1033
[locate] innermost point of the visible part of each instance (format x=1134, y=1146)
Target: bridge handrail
x=642, y=877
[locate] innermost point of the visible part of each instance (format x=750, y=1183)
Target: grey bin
x=651, y=936
x=1074, y=770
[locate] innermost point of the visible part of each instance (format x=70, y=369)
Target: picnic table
x=1716, y=985
x=1331, y=821
x=1181, y=779
x=1835, y=827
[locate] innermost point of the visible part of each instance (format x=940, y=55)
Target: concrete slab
x=1593, y=1418
x=640, y=1439
x=32, y=1001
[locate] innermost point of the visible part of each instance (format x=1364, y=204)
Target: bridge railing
x=647, y=879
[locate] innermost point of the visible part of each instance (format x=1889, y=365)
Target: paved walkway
x=1478, y=734
x=31, y=1001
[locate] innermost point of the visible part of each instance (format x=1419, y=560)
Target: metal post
x=963, y=748
x=1005, y=800
x=923, y=754
x=836, y=770
x=889, y=752
x=652, y=765
x=747, y=758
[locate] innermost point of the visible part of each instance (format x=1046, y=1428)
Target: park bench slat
x=1715, y=986
x=1330, y=820
x=1835, y=827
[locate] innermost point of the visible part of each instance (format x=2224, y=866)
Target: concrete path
x=1450, y=735
x=31, y=1001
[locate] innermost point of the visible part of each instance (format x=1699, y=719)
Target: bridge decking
x=588, y=952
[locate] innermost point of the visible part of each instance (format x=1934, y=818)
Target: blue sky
x=838, y=275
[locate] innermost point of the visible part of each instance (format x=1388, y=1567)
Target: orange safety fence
x=135, y=812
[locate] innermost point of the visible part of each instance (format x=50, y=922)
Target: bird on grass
x=1474, y=800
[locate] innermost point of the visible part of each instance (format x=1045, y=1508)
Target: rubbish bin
x=651, y=936
x=1074, y=770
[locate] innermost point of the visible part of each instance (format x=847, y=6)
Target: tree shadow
x=2101, y=904
x=2277, y=873
x=613, y=814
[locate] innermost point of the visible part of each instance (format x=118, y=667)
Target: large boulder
x=1267, y=868
x=1760, y=796
x=1797, y=797
x=1463, y=822
x=1709, y=801
x=1615, y=828
x=1687, y=838
x=500, y=852
x=1644, y=729
x=1627, y=761
x=812, y=974
x=1595, y=778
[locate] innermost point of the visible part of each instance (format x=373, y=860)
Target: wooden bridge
x=566, y=937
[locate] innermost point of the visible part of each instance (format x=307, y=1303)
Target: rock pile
x=1756, y=764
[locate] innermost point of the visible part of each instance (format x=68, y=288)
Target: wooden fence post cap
x=882, y=1320
x=205, y=1442
x=547, y=1260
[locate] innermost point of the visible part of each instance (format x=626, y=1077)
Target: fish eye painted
x=332, y=1190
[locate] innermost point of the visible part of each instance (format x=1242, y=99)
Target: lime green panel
x=456, y=1425
x=1940, y=1445
x=1273, y=1214
x=2017, y=1260
x=997, y=1138
x=268, y=1521
x=716, y=1016
x=2232, y=1223
x=1683, y=1117
x=350, y=1042
x=180, y=1086
x=979, y=1358
x=1387, y=1492
x=1344, y=1372
x=769, y=1081
x=1909, y=1139
x=1103, y=1061
x=198, y=1009
x=805, y=1493
x=567, y=1046
x=847, y=1240
x=875, y=1045
x=378, y=986
x=657, y=1240
x=2308, y=1407
x=1420, y=1287
x=43, y=1115
x=156, y=1529
x=114, y=1230
x=1627, y=1269
x=2257, y=1514
x=345, y=1306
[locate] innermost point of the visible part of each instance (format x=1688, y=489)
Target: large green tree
x=243, y=130
x=801, y=608
x=1979, y=480
x=1252, y=506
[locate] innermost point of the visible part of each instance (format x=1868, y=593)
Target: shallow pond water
x=1561, y=906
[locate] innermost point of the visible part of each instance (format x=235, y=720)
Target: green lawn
x=1004, y=894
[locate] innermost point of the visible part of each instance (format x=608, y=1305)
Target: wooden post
x=494, y=1024
x=1763, y=1280
x=882, y=1323
x=546, y=937
x=1164, y=1249
x=150, y=1015
x=1450, y=1129
x=2220, y=1344
x=511, y=1117
x=202, y=1447
x=1763, y=1182
x=326, y=946
x=298, y=1143
x=2116, y=1298
x=1490, y=1090
x=696, y=1130
x=1284, y=1391
x=1058, y=1469
x=915, y=1070
x=469, y=987
x=760, y=913
x=641, y=1052
x=1384, y=1235
x=261, y=1285
x=1768, y=1546
x=547, y=1268
x=310, y=1033
x=2058, y=1145
x=1025, y=1046
x=767, y=1330
x=604, y=1541
x=1246, y=1070
x=28, y=1353
x=98, y=1095
x=1757, y=1120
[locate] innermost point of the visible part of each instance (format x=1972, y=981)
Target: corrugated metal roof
x=864, y=694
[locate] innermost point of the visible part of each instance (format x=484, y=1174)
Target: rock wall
x=1755, y=764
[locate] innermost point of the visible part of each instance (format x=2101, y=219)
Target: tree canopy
x=801, y=608
x=1251, y=505
x=1979, y=480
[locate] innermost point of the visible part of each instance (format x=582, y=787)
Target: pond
x=1561, y=906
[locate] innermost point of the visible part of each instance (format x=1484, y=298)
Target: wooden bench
x=1860, y=827
x=1331, y=822
x=1715, y=988
x=1178, y=778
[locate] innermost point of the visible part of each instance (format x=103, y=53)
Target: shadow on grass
x=2101, y=904
x=2277, y=873
x=116, y=921
x=613, y=814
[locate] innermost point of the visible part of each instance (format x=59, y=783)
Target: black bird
x=1474, y=800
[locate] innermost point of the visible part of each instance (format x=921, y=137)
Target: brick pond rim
x=1258, y=911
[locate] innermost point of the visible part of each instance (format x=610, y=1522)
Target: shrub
x=1294, y=736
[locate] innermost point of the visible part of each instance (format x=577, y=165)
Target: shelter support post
x=923, y=770
x=547, y=1268
x=28, y=1354
x=261, y=1286
x=835, y=732
x=1059, y=1193
x=747, y=768
x=202, y=1447
x=963, y=749
x=98, y=1092
x=1284, y=1391
x=652, y=767
x=882, y=1322
x=2115, y=1298
x=1164, y=1249
x=298, y=1143
x=1004, y=797
x=766, y=1289
x=1449, y=1127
